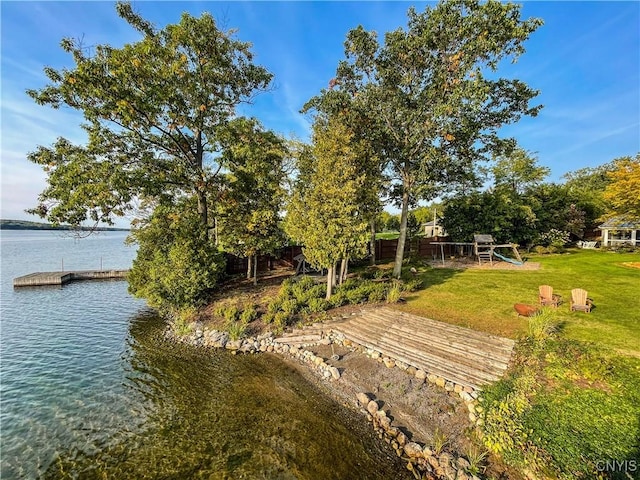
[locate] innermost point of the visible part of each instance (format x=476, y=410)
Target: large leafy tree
x=432, y=96
x=249, y=215
x=176, y=265
x=623, y=193
x=152, y=112
x=324, y=213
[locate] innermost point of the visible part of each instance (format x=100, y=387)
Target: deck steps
x=458, y=354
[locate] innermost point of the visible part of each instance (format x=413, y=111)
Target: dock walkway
x=460, y=355
x=38, y=279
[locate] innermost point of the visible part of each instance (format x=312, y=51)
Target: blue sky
x=585, y=61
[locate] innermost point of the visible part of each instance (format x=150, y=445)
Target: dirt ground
x=464, y=263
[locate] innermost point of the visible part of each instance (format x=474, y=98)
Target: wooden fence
x=385, y=251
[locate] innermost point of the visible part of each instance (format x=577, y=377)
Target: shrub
x=357, y=295
x=249, y=314
x=176, y=265
x=274, y=306
x=412, y=285
x=540, y=250
x=394, y=294
x=338, y=299
x=378, y=293
x=183, y=320
x=382, y=273
x=290, y=306
x=231, y=313
x=555, y=237
x=542, y=325
x=236, y=330
x=317, y=305
x=286, y=289
x=281, y=319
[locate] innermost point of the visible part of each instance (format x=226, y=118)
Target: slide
x=507, y=259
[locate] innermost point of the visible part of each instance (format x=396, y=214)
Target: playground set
x=483, y=248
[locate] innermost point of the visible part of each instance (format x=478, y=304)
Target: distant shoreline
x=27, y=225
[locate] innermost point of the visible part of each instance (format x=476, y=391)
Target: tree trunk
x=372, y=240
x=200, y=189
x=202, y=210
x=334, y=274
x=329, y=283
x=249, y=257
x=255, y=269
x=397, y=266
x=343, y=268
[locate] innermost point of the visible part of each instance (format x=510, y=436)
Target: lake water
x=89, y=389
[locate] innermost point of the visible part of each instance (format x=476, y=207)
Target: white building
x=618, y=231
x=433, y=229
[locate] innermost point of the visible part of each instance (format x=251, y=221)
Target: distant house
x=433, y=229
x=618, y=231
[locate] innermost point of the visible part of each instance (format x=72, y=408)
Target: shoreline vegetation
x=560, y=379
x=28, y=225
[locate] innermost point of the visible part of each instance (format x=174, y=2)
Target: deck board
x=460, y=355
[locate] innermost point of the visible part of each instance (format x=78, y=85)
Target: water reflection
x=215, y=415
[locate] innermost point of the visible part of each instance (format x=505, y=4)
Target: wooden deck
x=60, y=278
x=460, y=355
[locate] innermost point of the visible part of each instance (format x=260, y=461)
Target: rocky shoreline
x=323, y=356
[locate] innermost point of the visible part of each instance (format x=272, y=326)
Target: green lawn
x=484, y=299
x=387, y=235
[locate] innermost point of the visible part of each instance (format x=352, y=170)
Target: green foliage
x=250, y=224
x=555, y=238
x=183, y=320
x=542, y=325
x=440, y=441
x=153, y=110
x=176, y=264
x=429, y=150
x=566, y=406
x=325, y=214
x=394, y=294
x=317, y=305
x=236, y=329
x=290, y=306
x=281, y=319
x=477, y=458
x=249, y=314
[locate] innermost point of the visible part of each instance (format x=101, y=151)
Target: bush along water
x=566, y=410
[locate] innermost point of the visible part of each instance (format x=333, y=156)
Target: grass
x=570, y=398
x=387, y=235
x=484, y=299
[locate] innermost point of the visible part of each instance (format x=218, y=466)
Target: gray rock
x=335, y=373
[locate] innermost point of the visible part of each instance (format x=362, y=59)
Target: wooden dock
x=39, y=279
x=460, y=355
